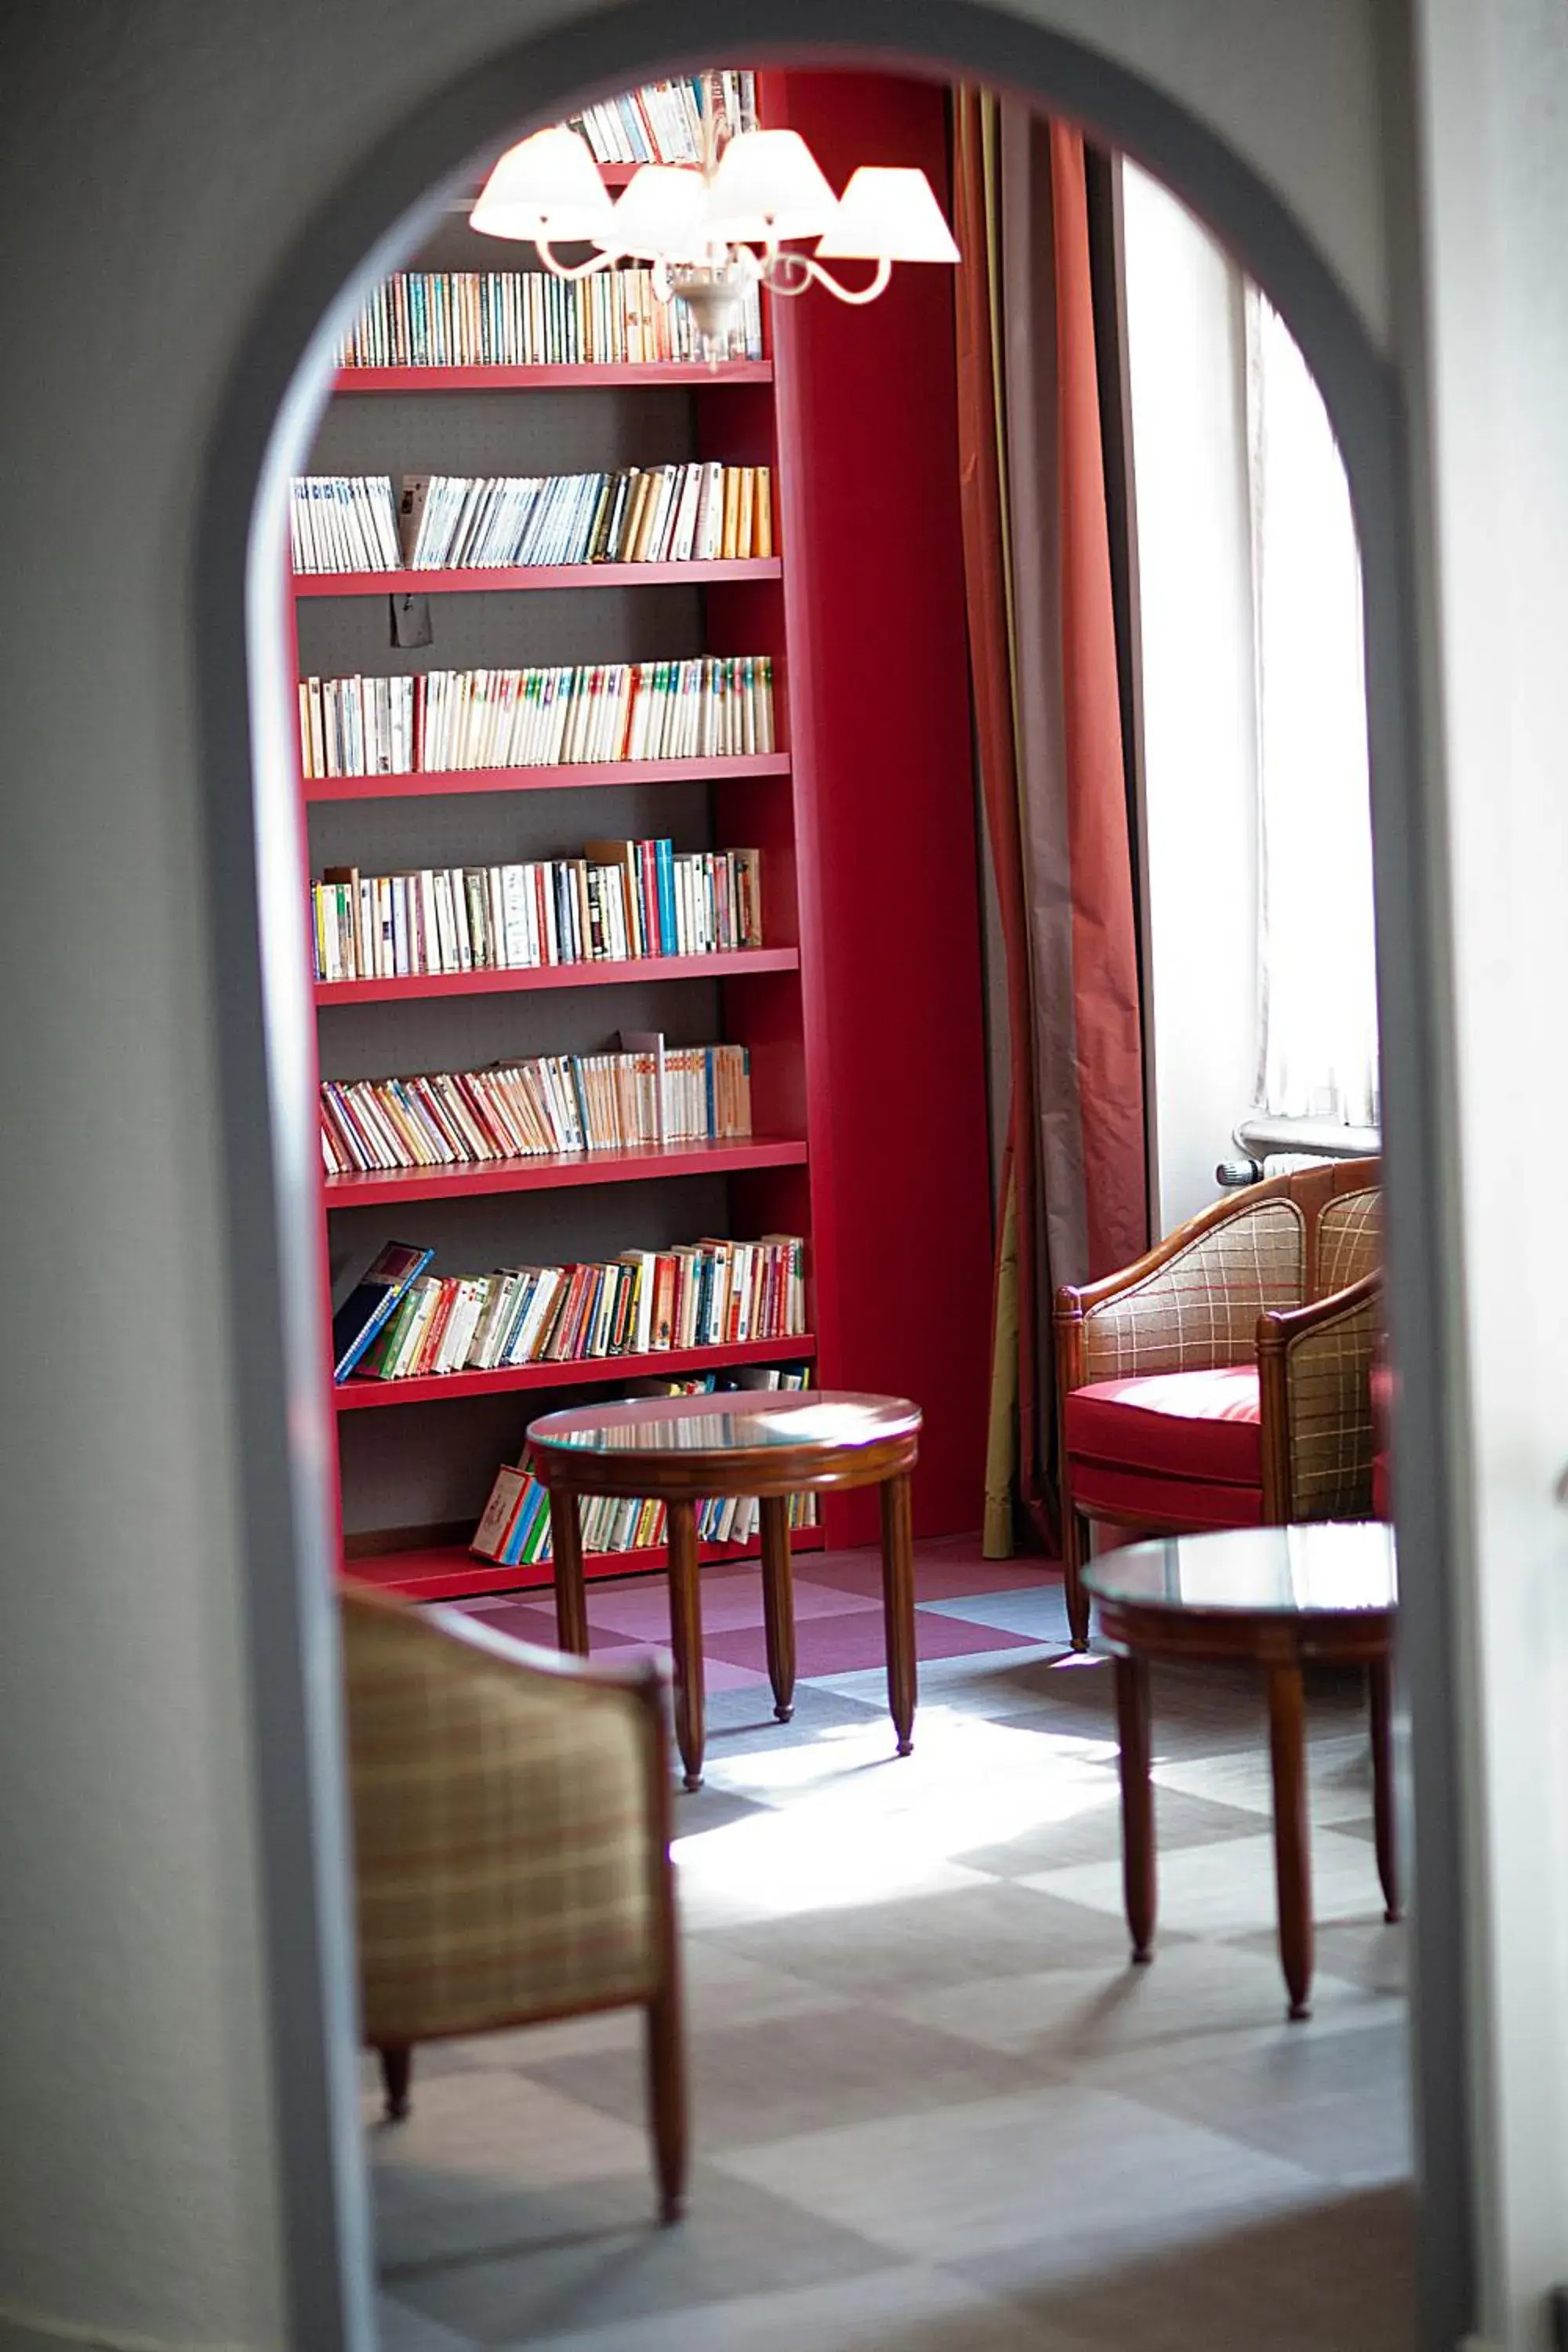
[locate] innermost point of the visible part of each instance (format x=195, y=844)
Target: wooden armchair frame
x=642, y=1687
x=1282, y=1333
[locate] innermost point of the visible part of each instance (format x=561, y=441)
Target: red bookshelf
x=695, y=572
x=863, y=1015
x=447, y=1388
x=605, y=973
x=433, y=783
x=582, y=375
x=391, y=1187
x=451, y=1571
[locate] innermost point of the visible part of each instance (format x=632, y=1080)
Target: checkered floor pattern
x=933, y=2107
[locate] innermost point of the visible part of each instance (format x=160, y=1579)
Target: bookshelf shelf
x=552, y=1171
x=451, y=1571
x=433, y=783
x=608, y=973
x=586, y=375
x=505, y=579
x=355, y=1394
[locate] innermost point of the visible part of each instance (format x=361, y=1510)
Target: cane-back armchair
x=1223, y=1379
x=511, y=1845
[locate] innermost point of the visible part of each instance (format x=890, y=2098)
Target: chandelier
x=712, y=230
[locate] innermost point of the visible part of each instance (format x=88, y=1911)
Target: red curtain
x=1043, y=656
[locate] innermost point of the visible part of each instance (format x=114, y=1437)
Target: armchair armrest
x=1192, y=1303
x=510, y=1825
x=1314, y=1367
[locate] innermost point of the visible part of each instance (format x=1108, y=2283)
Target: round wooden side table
x=1281, y=1596
x=763, y=1441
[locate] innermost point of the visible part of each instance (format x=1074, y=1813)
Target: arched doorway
x=272, y=400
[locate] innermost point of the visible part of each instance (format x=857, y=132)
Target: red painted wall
x=878, y=707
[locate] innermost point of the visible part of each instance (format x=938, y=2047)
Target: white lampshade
x=547, y=186
x=658, y=214
x=768, y=187
x=888, y=214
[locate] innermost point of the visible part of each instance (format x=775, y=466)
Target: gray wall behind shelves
x=539, y=432
x=479, y=1232
x=503, y=629
x=464, y=1033
x=390, y=836
x=423, y=1466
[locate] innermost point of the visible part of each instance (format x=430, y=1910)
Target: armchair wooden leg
x=396, y=2065
x=1075, y=1551
x=667, y=2099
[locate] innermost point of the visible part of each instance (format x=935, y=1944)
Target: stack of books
x=662, y=123
x=642, y=1098
x=621, y=901
x=638, y=514
x=715, y=706
x=470, y=318
x=344, y=523
x=704, y=1293
x=515, y=1528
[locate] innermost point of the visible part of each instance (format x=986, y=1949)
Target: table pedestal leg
x=1137, y=1803
x=686, y=1639
x=1379, y=1680
x=778, y=1602
x=899, y=1605
x=567, y=1551
x=1292, y=1854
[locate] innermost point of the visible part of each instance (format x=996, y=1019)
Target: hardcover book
x=371, y=1300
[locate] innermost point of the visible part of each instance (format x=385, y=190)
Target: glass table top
x=738, y=1420
x=1334, y=1566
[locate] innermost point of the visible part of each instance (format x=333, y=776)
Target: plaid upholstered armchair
x=1223, y=1380
x=511, y=1845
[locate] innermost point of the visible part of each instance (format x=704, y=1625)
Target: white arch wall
x=1493, y=84
x=156, y=165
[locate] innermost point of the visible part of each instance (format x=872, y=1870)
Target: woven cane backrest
x=502, y=1834
x=1199, y=1309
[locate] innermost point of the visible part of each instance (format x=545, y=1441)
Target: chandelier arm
x=571, y=270
x=785, y=273
x=817, y=275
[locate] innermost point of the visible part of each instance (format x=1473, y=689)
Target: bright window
x=1317, y=1009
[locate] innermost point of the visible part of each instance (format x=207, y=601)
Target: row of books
x=662, y=124
x=637, y=514
x=620, y=900
x=344, y=523
x=703, y=1294
x=515, y=1530
x=458, y=522
x=529, y=318
x=645, y=1096
x=714, y=705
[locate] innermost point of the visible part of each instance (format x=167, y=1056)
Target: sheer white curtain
x=1317, y=1018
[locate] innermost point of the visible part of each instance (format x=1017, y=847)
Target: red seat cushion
x=1151, y=1500
x=1190, y=1425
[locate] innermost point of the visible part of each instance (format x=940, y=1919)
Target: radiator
x=1273, y=1147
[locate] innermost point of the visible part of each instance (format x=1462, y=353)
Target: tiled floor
x=933, y=2108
